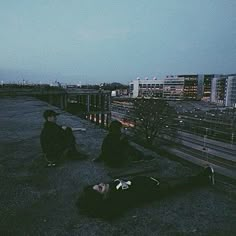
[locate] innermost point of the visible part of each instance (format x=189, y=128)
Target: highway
x=214, y=147
x=202, y=152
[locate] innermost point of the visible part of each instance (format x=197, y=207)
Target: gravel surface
x=35, y=200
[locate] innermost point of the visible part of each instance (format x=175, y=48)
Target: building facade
x=230, y=91
x=173, y=88
x=193, y=86
x=219, y=89
x=146, y=88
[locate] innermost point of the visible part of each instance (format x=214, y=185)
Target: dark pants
x=181, y=184
x=122, y=156
x=151, y=188
x=67, y=149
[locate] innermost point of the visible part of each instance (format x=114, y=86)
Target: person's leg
x=50, y=159
x=69, y=137
x=131, y=153
x=70, y=150
x=206, y=177
x=174, y=185
x=134, y=155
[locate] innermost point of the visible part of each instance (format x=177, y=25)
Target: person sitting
x=116, y=150
x=56, y=141
x=110, y=200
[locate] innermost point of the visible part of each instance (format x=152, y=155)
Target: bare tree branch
x=152, y=118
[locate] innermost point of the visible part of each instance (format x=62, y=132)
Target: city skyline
x=104, y=41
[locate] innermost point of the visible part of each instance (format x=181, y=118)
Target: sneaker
x=210, y=173
x=51, y=164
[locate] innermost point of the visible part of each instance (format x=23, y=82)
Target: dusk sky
x=95, y=41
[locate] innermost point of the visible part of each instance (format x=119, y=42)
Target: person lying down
x=110, y=200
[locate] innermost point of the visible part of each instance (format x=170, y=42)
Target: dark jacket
x=52, y=140
x=114, y=150
x=134, y=190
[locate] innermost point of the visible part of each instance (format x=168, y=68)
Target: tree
x=152, y=118
x=114, y=86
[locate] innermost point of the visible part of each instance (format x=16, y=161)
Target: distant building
x=113, y=93
x=197, y=86
x=173, y=88
x=119, y=92
x=207, y=86
x=170, y=88
x=72, y=86
x=223, y=90
x=193, y=86
x=190, y=86
x=230, y=92
x=146, y=88
x=220, y=89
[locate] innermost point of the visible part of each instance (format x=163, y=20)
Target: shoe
x=51, y=164
x=210, y=173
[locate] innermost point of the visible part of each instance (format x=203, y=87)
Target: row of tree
x=106, y=86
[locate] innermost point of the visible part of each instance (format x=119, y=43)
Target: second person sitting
x=116, y=150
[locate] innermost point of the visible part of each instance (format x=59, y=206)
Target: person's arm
x=78, y=129
x=73, y=128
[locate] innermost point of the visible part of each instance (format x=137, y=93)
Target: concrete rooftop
x=35, y=200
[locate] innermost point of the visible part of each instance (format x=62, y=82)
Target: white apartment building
x=230, y=91
x=218, y=90
x=223, y=90
x=146, y=88
x=170, y=88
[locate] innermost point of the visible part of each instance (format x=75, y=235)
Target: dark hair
x=115, y=126
x=90, y=202
x=93, y=204
x=49, y=113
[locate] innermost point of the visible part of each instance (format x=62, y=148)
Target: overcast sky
x=96, y=41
